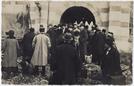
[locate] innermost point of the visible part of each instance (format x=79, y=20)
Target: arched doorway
x=77, y=13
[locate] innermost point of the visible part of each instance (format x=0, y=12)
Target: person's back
x=67, y=64
x=11, y=52
x=27, y=44
x=83, y=43
x=66, y=52
x=10, y=49
x=40, y=43
x=28, y=38
x=98, y=44
x=111, y=59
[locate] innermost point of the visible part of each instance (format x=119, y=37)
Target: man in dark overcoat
x=27, y=45
x=83, y=42
x=111, y=59
x=67, y=63
x=98, y=44
x=110, y=62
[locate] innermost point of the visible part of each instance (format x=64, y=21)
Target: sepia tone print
x=67, y=43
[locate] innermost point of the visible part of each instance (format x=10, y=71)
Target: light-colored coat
x=41, y=43
x=10, y=48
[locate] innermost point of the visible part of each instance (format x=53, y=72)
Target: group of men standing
x=64, y=47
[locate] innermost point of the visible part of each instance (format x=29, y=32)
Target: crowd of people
x=64, y=48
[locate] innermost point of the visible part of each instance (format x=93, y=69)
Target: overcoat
x=10, y=48
x=27, y=44
x=41, y=44
x=83, y=44
x=97, y=47
x=67, y=64
x=111, y=61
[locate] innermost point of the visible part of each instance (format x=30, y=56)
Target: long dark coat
x=89, y=45
x=67, y=65
x=98, y=45
x=52, y=33
x=83, y=43
x=111, y=62
x=27, y=44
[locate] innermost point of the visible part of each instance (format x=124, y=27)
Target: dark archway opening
x=77, y=13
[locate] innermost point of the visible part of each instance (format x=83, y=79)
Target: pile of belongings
x=89, y=72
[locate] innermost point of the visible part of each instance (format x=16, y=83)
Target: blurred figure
x=59, y=32
x=76, y=40
x=76, y=34
x=67, y=63
x=41, y=44
x=91, y=33
x=52, y=33
x=10, y=48
x=49, y=29
x=110, y=61
x=50, y=26
x=83, y=42
x=111, y=35
x=104, y=31
x=27, y=45
x=98, y=44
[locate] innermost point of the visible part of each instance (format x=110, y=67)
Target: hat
x=82, y=24
x=31, y=29
x=42, y=29
x=10, y=32
x=67, y=36
x=70, y=26
x=59, y=25
x=109, y=40
x=104, y=30
x=76, y=32
x=110, y=33
x=95, y=27
x=41, y=26
x=86, y=27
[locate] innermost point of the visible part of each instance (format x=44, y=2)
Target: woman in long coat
x=10, y=48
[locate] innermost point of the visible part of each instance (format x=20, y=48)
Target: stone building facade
x=110, y=15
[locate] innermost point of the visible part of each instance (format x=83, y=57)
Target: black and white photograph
x=51, y=42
